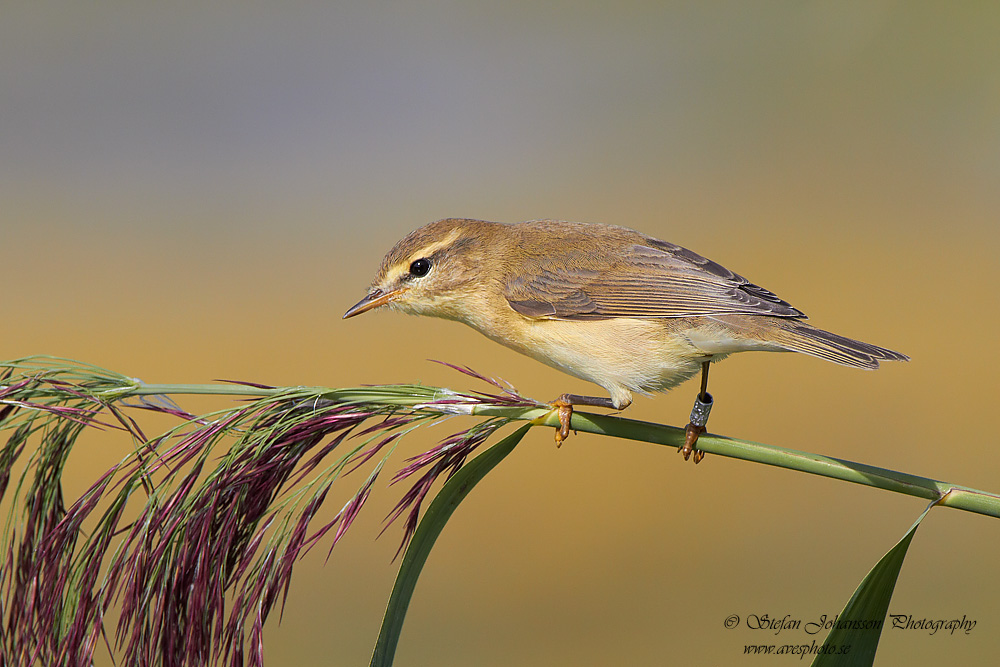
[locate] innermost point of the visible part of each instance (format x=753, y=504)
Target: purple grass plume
x=193, y=538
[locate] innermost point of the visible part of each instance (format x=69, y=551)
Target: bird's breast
x=622, y=355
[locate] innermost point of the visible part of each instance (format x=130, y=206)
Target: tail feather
x=800, y=337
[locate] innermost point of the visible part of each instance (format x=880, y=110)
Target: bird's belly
x=621, y=355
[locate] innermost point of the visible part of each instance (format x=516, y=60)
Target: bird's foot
x=699, y=419
x=691, y=433
x=564, y=407
x=564, y=410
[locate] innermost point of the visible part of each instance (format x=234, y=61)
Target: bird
x=604, y=303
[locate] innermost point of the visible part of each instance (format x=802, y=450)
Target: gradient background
x=194, y=192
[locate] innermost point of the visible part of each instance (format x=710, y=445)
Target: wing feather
x=654, y=279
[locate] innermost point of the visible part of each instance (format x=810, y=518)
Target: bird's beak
x=374, y=299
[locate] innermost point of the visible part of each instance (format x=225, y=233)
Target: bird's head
x=434, y=270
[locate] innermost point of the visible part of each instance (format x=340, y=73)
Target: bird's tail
x=797, y=336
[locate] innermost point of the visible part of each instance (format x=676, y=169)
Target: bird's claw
x=565, y=412
x=691, y=433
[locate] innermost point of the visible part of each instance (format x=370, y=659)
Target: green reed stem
x=950, y=495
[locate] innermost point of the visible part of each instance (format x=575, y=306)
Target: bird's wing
x=654, y=279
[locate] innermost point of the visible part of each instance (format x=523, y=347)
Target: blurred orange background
x=196, y=192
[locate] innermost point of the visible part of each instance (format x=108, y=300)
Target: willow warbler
x=606, y=304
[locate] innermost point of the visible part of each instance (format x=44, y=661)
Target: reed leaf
x=445, y=502
x=853, y=640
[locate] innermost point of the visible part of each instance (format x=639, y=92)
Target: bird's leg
x=699, y=418
x=564, y=406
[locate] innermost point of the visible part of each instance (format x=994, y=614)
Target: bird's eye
x=420, y=267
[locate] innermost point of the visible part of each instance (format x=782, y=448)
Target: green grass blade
x=854, y=638
x=451, y=494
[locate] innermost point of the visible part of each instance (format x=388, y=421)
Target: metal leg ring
x=702, y=408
